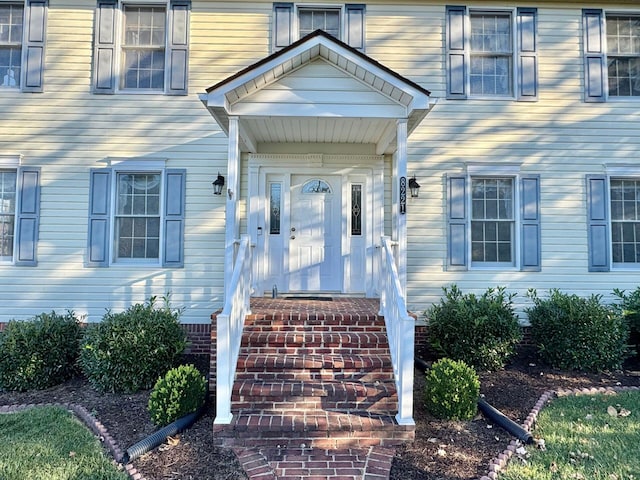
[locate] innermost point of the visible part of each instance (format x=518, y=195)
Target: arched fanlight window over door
x=316, y=186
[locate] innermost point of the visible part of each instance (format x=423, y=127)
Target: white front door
x=315, y=230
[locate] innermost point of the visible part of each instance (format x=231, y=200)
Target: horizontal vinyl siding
x=67, y=131
x=559, y=137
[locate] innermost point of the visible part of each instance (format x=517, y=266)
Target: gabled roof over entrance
x=318, y=90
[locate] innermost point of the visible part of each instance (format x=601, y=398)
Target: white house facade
x=519, y=121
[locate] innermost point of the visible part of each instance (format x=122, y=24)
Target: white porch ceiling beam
x=248, y=139
x=385, y=139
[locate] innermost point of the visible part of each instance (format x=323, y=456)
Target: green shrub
x=452, y=390
x=128, y=351
x=39, y=352
x=629, y=308
x=180, y=392
x=575, y=333
x=481, y=331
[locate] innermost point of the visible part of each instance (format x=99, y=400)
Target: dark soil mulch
x=468, y=446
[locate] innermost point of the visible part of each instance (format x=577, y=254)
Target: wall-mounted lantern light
x=414, y=186
x=218, y=183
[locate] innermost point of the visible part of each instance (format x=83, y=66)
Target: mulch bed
x=442, y=450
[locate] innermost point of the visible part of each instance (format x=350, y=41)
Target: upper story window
x=136, y=215
x=11, y=17
x=623, y=56
x=292, y=22
x=492, y=53
x=141, y=47
x=491, y=66
x=493, y=219
x=611, y=55
x=22, y=41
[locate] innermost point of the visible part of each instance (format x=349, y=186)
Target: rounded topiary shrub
x=483, y=331
x=40, y=352
x=575, y=333
x=452, y=390
x=180, y=392
x=128, y=351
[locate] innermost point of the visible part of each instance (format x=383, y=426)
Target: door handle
x=292, y=237
x=293, y=229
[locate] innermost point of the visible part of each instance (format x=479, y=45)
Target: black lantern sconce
x=414, y=186
x=218, y=183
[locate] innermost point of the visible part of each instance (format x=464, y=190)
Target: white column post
x=400, y=202
x=233, y=192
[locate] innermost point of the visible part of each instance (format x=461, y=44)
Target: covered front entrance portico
x=316, y=115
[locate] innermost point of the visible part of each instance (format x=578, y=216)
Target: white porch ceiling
x=318, y=90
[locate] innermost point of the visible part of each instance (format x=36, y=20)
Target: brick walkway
x=373, y=463
x=293, y=462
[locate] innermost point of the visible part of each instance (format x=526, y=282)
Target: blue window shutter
x=104, y=52
x=282, y=25
x=99, y=218
x=457, y=223
x=598, y=223
x=35, y=39
x=175, y=185
x=594, y=55
x=28, y=216
x=457, y=55
x=355, y=22
x=531, y=258
x=178, y=47
x=527, y=55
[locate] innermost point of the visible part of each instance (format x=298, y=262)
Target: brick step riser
x=306, y=328
x=387, y=405
x=250, y=361
x=315, y=340
x=341, y=375
x=298, y=351
x=332, y=442
x=313, y=319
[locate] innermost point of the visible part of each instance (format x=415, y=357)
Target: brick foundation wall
x=198, y=338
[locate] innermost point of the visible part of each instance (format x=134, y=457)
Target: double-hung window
x=136, y=215
x=292, y=22
x=141, y=47
x=614, y=220
x=19, y=212
x=22, y=40
x=491, y=53
x=491, y=65
x=493, y=219
x=611, y=55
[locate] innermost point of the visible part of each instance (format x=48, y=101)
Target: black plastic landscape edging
x=152, y=441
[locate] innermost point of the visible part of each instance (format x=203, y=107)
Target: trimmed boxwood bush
x=575, y=333
x=452, y=390
x=128, y=351
x=180, y=392
x=629, y=308
x=40, y=352
x=482, y=331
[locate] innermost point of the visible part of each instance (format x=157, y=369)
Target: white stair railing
x=229, y=325
x=400, y=331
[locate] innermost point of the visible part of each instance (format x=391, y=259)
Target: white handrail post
x=223, y=374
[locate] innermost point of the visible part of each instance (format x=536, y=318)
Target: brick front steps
x=315, y=379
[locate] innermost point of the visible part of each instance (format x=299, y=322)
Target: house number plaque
x=403, y=195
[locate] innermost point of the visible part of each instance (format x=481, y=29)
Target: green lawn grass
x=585, y=439
x=49, y=443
